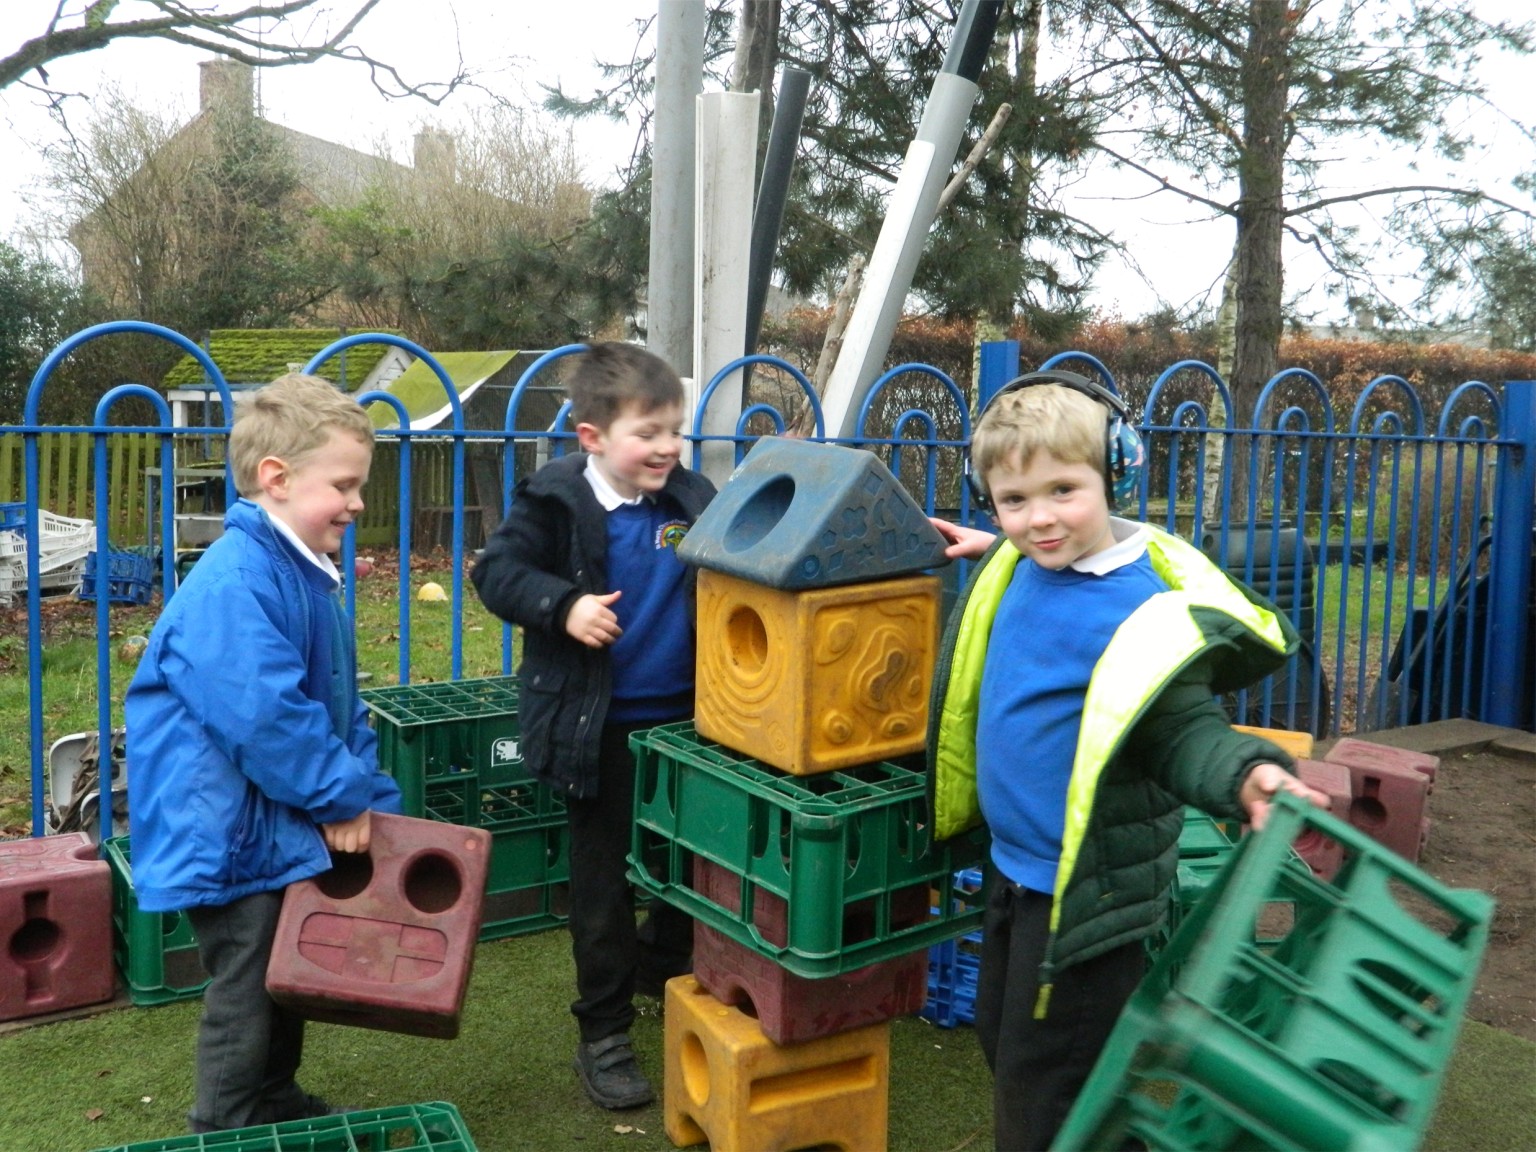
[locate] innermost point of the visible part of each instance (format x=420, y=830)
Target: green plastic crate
x=829, y=850
x=434, y=1127
x=156, y=952
x=442, y=731
x=528, y=887
x=1335, y=1035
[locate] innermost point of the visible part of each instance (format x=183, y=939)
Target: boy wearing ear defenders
x=1073, y=713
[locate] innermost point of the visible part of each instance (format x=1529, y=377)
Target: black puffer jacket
x=552, y=549
x=1151, y=740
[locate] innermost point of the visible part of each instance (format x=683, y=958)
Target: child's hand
x=1261, y=785
x=964, y=543
x=348, y=835
x=591, y=621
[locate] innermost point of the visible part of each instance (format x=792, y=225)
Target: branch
x=973, y=158
x=223, y=34
x=1471, y=194
x=1165, y=184
x=1213, y=117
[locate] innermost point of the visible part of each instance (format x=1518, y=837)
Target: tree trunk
x=1260, y=221
x=1216, y=443
x=756, y=59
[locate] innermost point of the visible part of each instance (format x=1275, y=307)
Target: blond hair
x=290, y=418
x=1040, y=417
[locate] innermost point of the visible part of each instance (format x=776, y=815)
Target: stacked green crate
x=453, y=748
x=462, y=732
x=835, y=860
x=528, y=886
x=156, y=952
x=434, y=1127
x=1336, y=1035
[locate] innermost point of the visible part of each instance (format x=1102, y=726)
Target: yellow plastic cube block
x=1298, y=744
x=819, y=679
x=727, y=1083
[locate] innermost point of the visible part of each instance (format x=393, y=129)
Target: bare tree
x=266, y=35
x=457, y=252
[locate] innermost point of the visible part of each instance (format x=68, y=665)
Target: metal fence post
x=999, y=364
x=1514, y=520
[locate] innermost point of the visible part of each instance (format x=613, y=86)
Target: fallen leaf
x=94, y=1113
x=101, y=1072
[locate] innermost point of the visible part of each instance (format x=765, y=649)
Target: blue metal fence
x=1398, y=541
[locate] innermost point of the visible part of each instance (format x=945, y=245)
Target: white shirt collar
x=324, y=563
x=604, y=491
x=1130, y=542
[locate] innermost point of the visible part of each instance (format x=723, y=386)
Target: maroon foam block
x=1322, y=853
x=1388, y=793
x=1370, y=757
x=791, y=1008
x=386, y=938
x=770, y=911
x=55, y=926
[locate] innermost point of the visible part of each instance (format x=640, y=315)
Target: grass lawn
x=126, y=1076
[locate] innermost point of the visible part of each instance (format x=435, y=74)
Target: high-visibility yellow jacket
x=1152, y=737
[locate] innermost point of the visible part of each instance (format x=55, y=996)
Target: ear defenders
x=1124, y=454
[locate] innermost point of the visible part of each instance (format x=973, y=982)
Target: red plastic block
x=386, y=939
x=1322, y=853
x=56, y=924
x=770, y=911
x=1364, y=755
x=790, y=1008
x=1387, y=796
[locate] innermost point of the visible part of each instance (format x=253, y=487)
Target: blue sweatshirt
x=1050, y=630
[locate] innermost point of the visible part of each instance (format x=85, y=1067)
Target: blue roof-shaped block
x=798, y=515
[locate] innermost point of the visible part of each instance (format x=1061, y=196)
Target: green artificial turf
x=508, y=1072
x=125, y=1076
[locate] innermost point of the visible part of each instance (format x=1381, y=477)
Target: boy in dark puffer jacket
x=1073, y=713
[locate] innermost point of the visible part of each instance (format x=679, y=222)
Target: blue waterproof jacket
x=245, y=731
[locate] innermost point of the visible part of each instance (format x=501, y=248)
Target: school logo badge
x=671, y=534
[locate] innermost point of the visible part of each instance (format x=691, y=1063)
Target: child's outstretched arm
x=1261, y=785
x=964, y=543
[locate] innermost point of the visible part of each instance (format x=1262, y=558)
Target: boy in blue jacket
x=250, y=756
x=1073, y=713
x=586, y=562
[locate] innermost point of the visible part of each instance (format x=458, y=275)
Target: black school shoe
x=610, y=1074
x=314, y=1108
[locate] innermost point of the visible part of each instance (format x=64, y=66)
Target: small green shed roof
x=419, y=389
x=261, y=355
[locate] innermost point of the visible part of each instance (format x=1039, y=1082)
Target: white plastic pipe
x=725, y=163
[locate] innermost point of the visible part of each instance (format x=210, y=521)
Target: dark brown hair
x=612, y=376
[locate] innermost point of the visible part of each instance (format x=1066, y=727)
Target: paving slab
x=1520, y=745
x=1438, y=738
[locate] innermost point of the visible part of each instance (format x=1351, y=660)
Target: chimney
x=436, y=154
x=226, y=85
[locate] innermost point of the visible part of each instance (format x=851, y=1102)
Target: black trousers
x=607, y=944
x=1039, y=1066
x=248, y=1046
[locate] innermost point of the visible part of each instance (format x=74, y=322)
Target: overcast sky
x=511, y=48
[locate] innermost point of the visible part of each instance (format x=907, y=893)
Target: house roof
x=420, y=390
x=261, y=355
